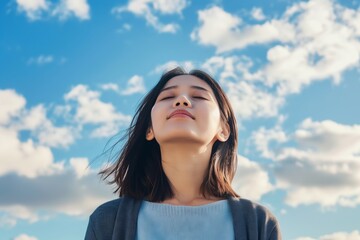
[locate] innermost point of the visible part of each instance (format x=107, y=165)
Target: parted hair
x=137, y=171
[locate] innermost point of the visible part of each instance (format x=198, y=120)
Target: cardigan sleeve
x=101, y=221
x=253, y=221
x=90, y=233
x=275, y=234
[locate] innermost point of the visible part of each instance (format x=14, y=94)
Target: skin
x=186, y=142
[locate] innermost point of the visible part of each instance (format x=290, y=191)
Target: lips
x=180, y=111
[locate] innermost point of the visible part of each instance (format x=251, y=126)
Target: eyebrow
x=193, y=86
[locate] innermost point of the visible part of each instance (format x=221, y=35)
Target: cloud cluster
x=251, y=181
x=39, y=183
x=37, y=9
x=322, y=166
x=250, y=98
x=148, y=9
x=311, y=41
x=228, y=32
x=89, y=109
x=73, y=190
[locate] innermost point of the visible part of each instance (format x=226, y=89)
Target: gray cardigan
x=117, y=220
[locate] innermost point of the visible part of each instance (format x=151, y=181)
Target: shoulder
x=112, y=218
x=250, y=207
x=255, y=217
x=107, y=209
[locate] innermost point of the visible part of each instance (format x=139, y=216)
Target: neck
x=185, y=165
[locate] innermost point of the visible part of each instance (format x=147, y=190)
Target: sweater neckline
x=207, y=205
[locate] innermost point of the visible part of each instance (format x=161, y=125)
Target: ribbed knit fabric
x=164, y=221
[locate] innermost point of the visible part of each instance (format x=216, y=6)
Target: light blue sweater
x=117, y=219
x=171, y=222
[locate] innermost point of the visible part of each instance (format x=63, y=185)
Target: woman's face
x=186, y=110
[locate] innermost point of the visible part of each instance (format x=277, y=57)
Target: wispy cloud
x=187, y=65
x=38, y=9
x=257, y=14
x=41, y=60
x=148, y=10
x=134, y=85
x=32, y=8
x=25, y=237
x=77, y=8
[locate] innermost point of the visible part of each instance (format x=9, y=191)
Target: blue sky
x=73, y=71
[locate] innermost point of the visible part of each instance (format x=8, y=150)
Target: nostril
x=185, y=103
x=177, y=104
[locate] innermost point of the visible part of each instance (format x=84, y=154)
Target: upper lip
x=181, y=111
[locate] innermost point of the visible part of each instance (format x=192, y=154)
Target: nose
x=182, y=101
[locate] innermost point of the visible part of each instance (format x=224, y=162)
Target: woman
x=174, y=172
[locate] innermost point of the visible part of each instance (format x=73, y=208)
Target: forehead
x=187, y=81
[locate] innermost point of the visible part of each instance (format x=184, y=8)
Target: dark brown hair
x=138, y=172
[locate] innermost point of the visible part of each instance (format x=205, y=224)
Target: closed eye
x=165, y=98
x=199, y=97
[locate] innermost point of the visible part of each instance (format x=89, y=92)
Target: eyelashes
x=171, y=97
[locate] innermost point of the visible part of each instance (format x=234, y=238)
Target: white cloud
x=310, y=41
x=227, y=32
x=248, y=100
x=6, y=221
x=232, y=68
x=124, y=28
x=148, y=9
x=78, y=8
x=43, y=186
x=41, y=60
x=11, y=104
x=327, y=44
x=249, y=97
x=257, y=14
x=263, y=137
x=160, y=69
x=25, y=237
x=91, y=110
x=134, y=85
x=24, y=158
x=32, y=8
x=37, y=9
x=320, y=167
x=80, y=166
x=36, y=120
x=27, y=157
x=251, y=181
x=354, y=235
x=110, y=86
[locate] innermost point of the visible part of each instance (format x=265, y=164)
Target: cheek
x=155, y=117
x=212, y=119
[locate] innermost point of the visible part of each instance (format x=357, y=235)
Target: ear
x=224, y=133
x=150, y=134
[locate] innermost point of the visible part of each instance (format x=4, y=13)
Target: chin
x=179, y=138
